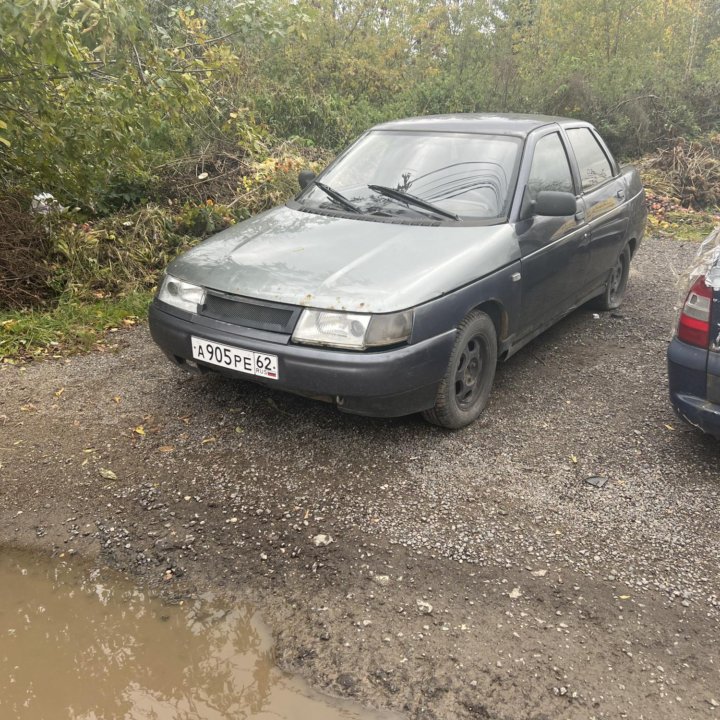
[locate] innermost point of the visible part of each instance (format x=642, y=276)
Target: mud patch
x=87, y=644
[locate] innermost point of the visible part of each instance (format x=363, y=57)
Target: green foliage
x=203, y=220
x=94, y=98
x=112, y=256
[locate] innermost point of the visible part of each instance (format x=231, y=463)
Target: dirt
x=210, y=658
x=474, y=574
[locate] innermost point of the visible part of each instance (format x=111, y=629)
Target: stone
x=424, y=608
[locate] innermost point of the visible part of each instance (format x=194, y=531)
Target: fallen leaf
x=108, y=474
x=239, y=430
x=274, y=406
x=669, y=427
x=573, y=459
x=624, y=597
x=116, y=399
x=166, y=448
x=207, y=440
x=59, y=392
x=139, y=430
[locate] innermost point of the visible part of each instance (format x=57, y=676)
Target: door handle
x=620, y=194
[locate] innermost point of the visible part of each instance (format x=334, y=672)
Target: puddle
x=86, y=646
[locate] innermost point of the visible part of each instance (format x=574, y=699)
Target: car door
x=603, y=191
x=554, y=252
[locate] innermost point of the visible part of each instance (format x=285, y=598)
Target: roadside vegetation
x=154, y=125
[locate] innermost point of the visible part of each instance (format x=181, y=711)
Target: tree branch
x=141, y=73
x=212, y=41
x=650, y=96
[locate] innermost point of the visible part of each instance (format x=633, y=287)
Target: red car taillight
x=694, y=323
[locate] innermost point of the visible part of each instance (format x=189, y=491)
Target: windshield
x=463, y=174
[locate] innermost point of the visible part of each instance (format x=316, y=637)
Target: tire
x=464, y=390
x=614, y=293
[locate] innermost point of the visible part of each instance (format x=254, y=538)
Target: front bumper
x=388, y=383
x=689, y=387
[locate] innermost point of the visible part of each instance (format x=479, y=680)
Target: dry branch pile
x=688, y=171
x=24, y=273
x=196, y=178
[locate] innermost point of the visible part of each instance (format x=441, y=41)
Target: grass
x=69, y=327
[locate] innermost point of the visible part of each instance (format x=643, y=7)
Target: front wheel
x=464, y=390
x=614, y=292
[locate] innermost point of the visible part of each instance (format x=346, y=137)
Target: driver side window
x=550, y=169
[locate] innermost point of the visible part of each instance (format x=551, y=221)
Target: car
x=396, y=279
x=693, y=354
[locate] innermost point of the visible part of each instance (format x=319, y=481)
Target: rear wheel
x=463, y=392
x=614, y=292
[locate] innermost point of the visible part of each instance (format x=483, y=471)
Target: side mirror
x=554, y=203
x=305, y=178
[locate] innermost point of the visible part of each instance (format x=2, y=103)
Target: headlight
x=181, y=294
x=351, y=330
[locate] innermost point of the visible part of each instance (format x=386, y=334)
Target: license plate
x=235, y=358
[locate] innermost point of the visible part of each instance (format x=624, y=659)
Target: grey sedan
x=396, y=279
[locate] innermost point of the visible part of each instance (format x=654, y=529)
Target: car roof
x=488, y=123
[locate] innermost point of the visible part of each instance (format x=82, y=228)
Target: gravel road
x=474, y=574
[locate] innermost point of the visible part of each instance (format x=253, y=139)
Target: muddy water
x=77, y=645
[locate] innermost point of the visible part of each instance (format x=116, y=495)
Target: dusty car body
x=396, y=279
x=694, y=352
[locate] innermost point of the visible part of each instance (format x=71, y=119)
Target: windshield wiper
x=412, y=200
x=338, y=198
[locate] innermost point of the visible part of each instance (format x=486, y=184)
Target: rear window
x=593, y=164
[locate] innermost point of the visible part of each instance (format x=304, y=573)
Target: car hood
x=289, y=256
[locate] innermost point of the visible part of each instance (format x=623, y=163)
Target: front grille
x=250, y=313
